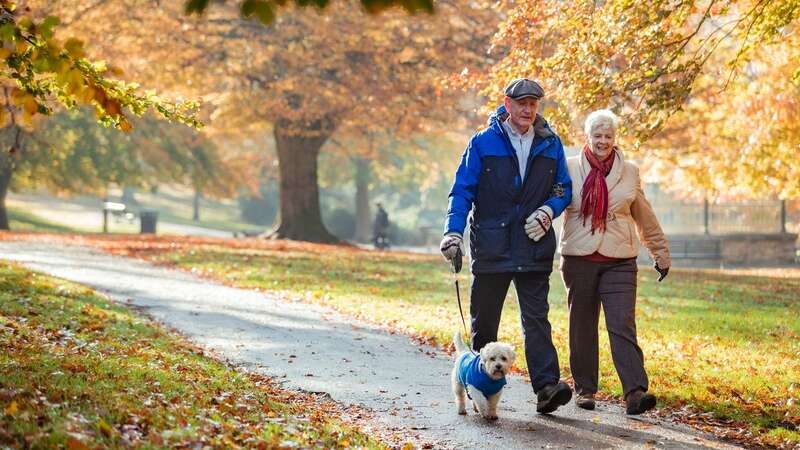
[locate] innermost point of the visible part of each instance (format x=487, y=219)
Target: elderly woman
x=599, y=246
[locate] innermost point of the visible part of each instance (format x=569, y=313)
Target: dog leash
x=456, y=268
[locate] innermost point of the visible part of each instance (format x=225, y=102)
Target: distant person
x=381, y=227
x=513, y=177
x=599, y=245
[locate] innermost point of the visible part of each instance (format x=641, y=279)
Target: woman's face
x=601, y=141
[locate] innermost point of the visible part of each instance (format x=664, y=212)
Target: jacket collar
x=614, y=176
x=540, y=126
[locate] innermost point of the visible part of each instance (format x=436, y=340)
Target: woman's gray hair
x=600, y=118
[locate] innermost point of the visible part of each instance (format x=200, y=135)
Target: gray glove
x=450, y=246
x=538, y=223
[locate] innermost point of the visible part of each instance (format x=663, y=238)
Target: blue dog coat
x=470, y=373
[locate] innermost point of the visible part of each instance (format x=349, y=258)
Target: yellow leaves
x=26, y=101
x=30, y=105
x=105, y=428
x=4, y=53
x=21, y=46
x=74, y=48
x=115, y=70
x=11, y=409
x=74, y=81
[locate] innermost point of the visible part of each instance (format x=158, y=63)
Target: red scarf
x=594, y=196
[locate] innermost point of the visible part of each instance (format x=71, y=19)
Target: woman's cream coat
x=627, y=209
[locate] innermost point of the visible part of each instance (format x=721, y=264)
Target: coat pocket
x=490, y=242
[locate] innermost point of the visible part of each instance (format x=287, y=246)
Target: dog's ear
x=512, y=355
x=482, y=353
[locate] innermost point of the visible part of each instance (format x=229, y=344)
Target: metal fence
x=764, y=217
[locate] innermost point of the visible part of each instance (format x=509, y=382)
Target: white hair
x=600, y=118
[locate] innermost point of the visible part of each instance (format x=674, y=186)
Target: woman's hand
x=663, y=272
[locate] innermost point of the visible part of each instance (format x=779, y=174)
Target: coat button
x=502, y=224
x=519, y=268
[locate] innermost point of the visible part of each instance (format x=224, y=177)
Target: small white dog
x=481, y=377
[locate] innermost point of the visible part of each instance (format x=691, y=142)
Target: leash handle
x=455, y=263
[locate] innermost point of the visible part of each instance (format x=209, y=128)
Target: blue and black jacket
x=488, y=180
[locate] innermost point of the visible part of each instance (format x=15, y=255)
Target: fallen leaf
x=11, y=409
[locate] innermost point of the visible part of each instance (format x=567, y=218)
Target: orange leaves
x=407, y=55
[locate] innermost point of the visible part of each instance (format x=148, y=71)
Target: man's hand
x=538, y=223
x=450, y=246
x=662, y=272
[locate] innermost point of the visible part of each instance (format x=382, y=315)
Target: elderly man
x=513, y=176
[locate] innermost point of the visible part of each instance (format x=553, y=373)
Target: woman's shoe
x=585, y=401
x=638, y=401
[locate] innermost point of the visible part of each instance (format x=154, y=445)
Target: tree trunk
x=299, y=215
x=6, y=170
x=196, y=205
x=363, y=215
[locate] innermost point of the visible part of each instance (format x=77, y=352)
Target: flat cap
x=523, y=87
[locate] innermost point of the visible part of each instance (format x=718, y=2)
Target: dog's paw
x=462, y=411
x=475, y=407
x=491, y=417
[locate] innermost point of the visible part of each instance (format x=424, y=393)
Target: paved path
x=314, y=349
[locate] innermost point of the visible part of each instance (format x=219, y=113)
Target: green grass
x=20, y=220
x=723, y=342
x=78, y=371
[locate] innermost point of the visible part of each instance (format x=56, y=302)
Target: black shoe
x=550, y=397
x=639, y=401
x=585, y=401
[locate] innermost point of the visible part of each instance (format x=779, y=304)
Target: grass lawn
x=723, y=342
x=78, y=371
x=25, y=221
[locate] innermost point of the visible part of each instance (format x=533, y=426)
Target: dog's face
x=497, y=359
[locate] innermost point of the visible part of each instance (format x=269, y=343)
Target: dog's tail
x=461, y=347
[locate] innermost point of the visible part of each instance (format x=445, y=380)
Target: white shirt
x=521, y=143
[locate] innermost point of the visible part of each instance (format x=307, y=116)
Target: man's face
x=522, y=112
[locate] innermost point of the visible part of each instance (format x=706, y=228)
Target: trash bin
x=148, y=219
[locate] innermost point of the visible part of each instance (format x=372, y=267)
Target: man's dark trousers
x=487, y=297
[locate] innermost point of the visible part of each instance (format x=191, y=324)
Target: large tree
x=678, y=65
x=309, y=75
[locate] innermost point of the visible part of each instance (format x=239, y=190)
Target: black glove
x=662, y=272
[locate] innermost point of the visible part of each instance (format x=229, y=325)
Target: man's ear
x=507, y=103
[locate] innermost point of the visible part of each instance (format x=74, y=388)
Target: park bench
x=119, y=211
